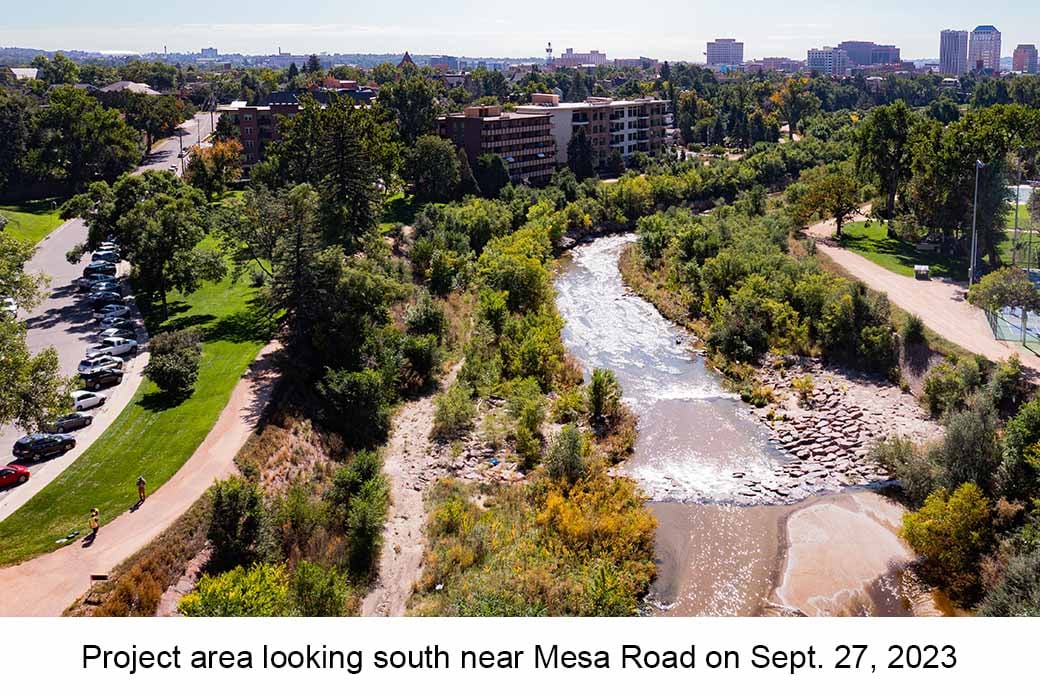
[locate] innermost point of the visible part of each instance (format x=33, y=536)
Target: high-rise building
x=1024, y=59
x=984, y=48
x=524, y=140
x=828, y=61
x=864, y=53
x=953, y=52
x=725, y=52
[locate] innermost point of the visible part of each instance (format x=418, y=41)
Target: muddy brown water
x=717, y=552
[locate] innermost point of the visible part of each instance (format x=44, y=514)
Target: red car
x=13, y=474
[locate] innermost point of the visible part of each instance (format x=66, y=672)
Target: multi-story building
x=776, y=63
x=628, y=126
x=884, y=54
x=725, y=52
x=953, y=52
x=208, y=53
x=523, y=140
x=828, y=61
x=866, y=53
x=984, y=48
x=1025, y=59
x=570, y=59
x=258, y=124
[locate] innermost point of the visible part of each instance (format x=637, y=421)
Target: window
x=247, y=130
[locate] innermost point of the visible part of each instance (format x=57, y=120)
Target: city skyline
x=674, y=30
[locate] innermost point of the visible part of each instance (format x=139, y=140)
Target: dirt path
x=939, y=302
x=406, y=463
x=47, y=585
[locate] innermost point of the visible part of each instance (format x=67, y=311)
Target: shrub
x=564, y=460
x=949, y=383
x=236, y=523
x=174, y=361
x=1018, y=592
x=604, y=396
x=318, y=591
x=912, y=332
x=348, y=480
x=951, y=532
x=1017, y=478
x=914, y=469
x=804, y=387
x=453, y=413
x=569, y=406
x=364, y=527
x=356, y=405
x=422, y=359
x=877, y=348
x=970, y=451
x=425, y=316
x=262, y=591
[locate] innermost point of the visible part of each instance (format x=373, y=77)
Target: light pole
x=974, y=219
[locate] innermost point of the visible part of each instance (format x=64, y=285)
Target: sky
x=663, y=29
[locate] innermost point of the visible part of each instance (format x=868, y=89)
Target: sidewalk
x=939, y=302
x=47, y=585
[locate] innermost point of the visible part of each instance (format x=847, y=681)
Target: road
x=63, y=320
x=940, y=302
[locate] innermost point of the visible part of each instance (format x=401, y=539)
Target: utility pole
x=974, y=227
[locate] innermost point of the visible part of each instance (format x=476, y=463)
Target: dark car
x=67, y=423
x=13, y=474
x=106, y=256
x=101, y=378
x=107, y=284
x=39, y=446
x=101, y=299
x=99, y=268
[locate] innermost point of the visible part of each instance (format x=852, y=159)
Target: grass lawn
x=1023, y=217
x=873, y=243
x=397, y=210
x=32, y=220
x=153, y=436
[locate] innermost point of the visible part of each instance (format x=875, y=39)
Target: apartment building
x=866, y=53
x=984, y=48
x=953, y=52
x=524, y=140
x=1025, y=59
x=828, y=61
x=725, y=52
x=628, y=126
x=570, y=59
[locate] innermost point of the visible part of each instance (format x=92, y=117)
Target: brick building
x=523, y=140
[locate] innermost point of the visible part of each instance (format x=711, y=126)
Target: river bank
x=700, y=452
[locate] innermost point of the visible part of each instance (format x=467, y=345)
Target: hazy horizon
x=664, y=29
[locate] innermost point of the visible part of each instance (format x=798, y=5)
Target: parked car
x=108, y=361
x=85, y=400
x=13, y=474
x=100, y=268
x=7, y=306
x=111, y=310
x=36, y=447
x=69, y=422
x=113, y=346
x=105, y=284
x=116, y=322
x=99, y=300
x=101, y=378
x=120, y=332
x=107, y=256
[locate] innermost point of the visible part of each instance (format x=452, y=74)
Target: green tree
x=57, y=70
x=413, y=104
x=604, y=397
x=795, y=102
x=829, y=192
x=356, y=405
x=467, y=182
x=313, y=65
x=173, y=362
x=579, y=155
x=236, y=524
x=883, y=149
x=492, y=174
x=564, y=460
x=433, y=168
x=212, y=169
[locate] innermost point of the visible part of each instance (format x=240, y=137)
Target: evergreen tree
x=579, y=155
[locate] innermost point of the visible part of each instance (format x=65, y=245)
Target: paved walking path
x=940, y=302
x=47, y=585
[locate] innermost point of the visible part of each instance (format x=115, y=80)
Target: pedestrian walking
x=95, y=523
x=140, y=489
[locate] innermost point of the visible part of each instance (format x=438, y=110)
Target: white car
x=117, y=332
x=112, y=310
x=85, y=400
x=112, y=346
x=92, y=363
x=8, y=306
x=115, y=322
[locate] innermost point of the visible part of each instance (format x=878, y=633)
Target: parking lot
x=63, y=320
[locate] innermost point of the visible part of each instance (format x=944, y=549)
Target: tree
x=604, y=397
x=579, y=155
x=413, y=103
x=1007, y=287
x=292, y=72
x=80, y=141
x=236, y=524
x=16, y=123
x=57, y=70
x=433, y=168
x=313, y=65
x=492, y=174
x=951, y=532
x=883, y=149
x=174, y=361
x=212, y=169
x=356, y=406
x=153, y=115
x=828, y=192
x=564, y=460
x=795, y=102
x=468, y=183
x=225, y=129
